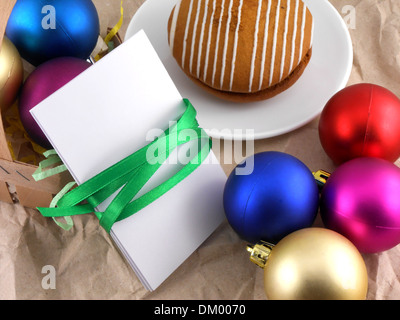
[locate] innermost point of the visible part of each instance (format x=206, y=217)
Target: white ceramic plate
x=327, y=72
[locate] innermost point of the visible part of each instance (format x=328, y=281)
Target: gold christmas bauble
x=11, y=73
x=315, y=264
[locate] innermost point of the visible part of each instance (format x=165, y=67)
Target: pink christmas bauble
x=41, y=83
x=361, y=201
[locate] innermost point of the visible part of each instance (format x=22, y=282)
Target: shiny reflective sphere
x=361, y=201
x=277, y=198
x=361, y=121
x=42, y=82
x=45, y=30
x=11, y=73
x=315, y=264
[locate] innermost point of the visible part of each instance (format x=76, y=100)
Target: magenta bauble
x=361, y=201
x=41, y=83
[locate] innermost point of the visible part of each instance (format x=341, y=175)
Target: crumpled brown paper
x=88, y=265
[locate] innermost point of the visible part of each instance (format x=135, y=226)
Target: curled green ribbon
x=131, y=174
x=45, y=169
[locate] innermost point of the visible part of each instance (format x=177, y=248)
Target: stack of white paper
x=110, y=111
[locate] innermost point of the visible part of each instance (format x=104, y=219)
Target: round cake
x=242, y=50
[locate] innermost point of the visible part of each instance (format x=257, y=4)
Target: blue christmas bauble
x=278, y=197
x=43, y=30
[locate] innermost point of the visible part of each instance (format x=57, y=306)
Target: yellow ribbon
x=113, y=31
x=15, y=126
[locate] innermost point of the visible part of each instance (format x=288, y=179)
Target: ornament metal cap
x=260, y=252
x=321, y=176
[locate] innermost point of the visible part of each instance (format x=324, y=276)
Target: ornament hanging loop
x=260, y=252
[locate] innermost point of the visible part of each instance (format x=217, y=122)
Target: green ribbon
x=131, y=174
x=46, y=169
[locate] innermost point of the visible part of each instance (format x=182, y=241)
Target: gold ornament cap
x=260, y=252
x=321, y=177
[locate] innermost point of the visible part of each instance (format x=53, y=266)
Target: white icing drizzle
x=235, y=44
x=296, y=14
x=209, y=41
x=217, y=42
x=283, y=58
x=226, y=43
x=196, y=21
x=255, y=44
x=186, y=33
x=303, y=26
x=265, y=42
x=271, y=74
x=312, y=33
x=203, y=32
x=173, y=26
x=201, y=38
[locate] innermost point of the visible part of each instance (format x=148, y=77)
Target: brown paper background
x=88, y=264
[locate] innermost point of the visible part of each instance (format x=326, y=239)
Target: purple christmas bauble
x=41, y=83
x=361, y=201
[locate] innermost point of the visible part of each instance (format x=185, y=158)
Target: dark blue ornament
x=43, y=30
x=280, y=196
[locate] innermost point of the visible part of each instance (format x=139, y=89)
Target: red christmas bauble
x=362, y=120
